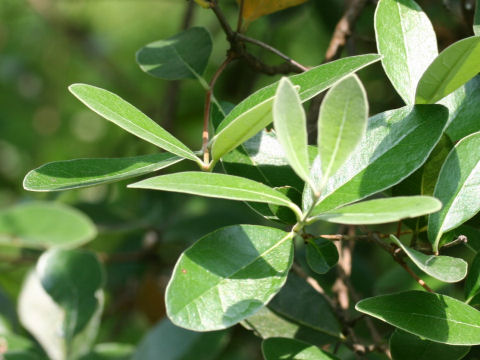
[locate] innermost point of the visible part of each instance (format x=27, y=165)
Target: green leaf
x=174, y=343
x=203, y=292
x=266, y=323
x=380, y=211
x=457, y=188
x=73, y=174
x=464, y=113
x=291, y=127
x=476, y=20
x=451, y=69
x=444, y=268
x=281, y=348
x=255, y=112
x=406, y=39
x=315, y=311
x=115, y=109
x=184, y=55
x=472, y=284
x=61, y=303
x=43, y=225
x=405, y=346
x=110, y=351
x=216, y=185
x=342, y=122
x=72, y=278
x=321, y=255
x=379, y=161
x=431, y=316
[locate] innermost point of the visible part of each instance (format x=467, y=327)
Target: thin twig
x=240, y=16
x=272, y=50
x=344, y=29
x=208, y=101
x=462, y=239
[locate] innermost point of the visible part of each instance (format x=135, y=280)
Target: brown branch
x=240, y=16
x=344, y=29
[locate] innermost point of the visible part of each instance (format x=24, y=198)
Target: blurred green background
x=46, y=45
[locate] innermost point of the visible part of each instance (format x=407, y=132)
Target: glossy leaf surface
x=43, y=225
x=451, y=69
x=431, y=316
x=73, y=174
x=379, y=160
x=444, y=268
x=121, y=113
x=291, y=127
x=255, y=112
x=281, y=348
x=203, y=292
x=184, y=55
x=342, y=122
x=405, y=346
x=215, y=185
x=406, y=39
x=321, y=255
x=174, y=343
x=380, y=211
x=458, y=188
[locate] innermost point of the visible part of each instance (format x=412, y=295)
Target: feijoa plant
x=419, y=164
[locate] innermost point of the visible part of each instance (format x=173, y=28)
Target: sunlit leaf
x=121, y=113
x=451, y=69
x=203, y=292
x=342, y=122
x=255, y=112
x=72, y=174
x=431, y=316
x=406, y=39
x=457, y=188
x=291, y=127
x=445, y=268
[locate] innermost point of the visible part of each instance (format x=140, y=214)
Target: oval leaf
x=431, y=316
x=405, y=346
x=184, y=55
x=255, y=112
x=291, y=127
x=218, y=186
x=379, y=160
x=444, y=268
x=174, y=343
x=203, y=292
x=43, y=224
x=121, y=113
x=451, y=69
x=321, y=255
x=73, y=174
x=281, y=348
x=381, y=211
x=457, y=188
x=342, y=122
x=406, y=39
